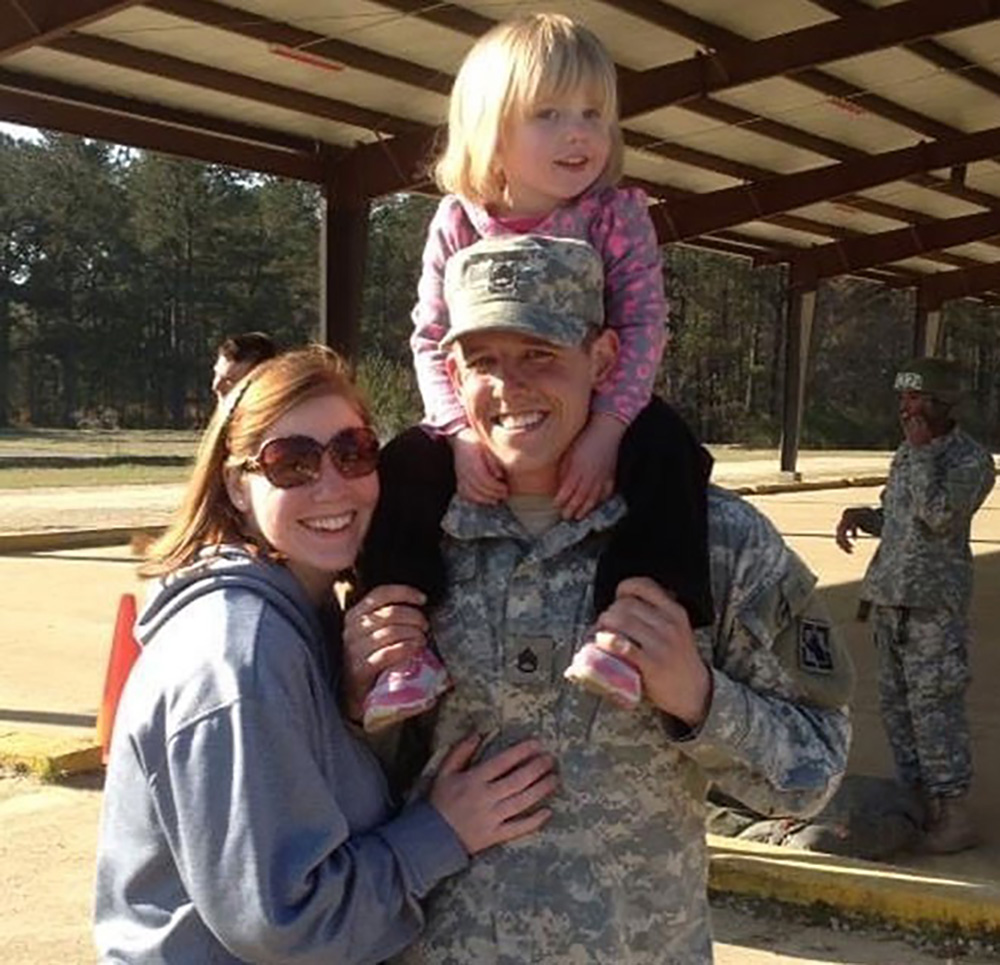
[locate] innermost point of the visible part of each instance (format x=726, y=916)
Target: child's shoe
x=405, y=691
x=606, y=675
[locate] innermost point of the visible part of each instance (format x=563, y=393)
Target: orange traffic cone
x=124, y=652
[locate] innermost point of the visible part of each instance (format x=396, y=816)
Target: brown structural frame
x=352, y=178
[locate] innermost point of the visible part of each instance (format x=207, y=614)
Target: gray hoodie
x=242, y=821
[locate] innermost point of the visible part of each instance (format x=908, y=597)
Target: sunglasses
x=297, y=460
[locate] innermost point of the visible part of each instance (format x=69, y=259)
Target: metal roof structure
x=840, y=136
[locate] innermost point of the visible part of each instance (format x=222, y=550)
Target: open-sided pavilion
x=853, y=137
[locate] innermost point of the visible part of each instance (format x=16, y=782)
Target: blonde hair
x=207, y=516
x=507, y=72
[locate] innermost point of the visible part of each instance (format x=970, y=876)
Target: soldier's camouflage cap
x=941, y=378
x=551, y=288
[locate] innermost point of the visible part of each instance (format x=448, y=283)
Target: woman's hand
x=381, y=630
x=651, y=630
x=495, y=801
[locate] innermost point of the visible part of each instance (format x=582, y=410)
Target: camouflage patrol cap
x=552, y=288
x=941, y=378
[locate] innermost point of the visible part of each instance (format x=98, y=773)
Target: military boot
x=950, y=827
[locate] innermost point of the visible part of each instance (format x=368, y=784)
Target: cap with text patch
x=551, y=288
x=937, y=377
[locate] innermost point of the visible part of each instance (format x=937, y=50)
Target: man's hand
x=384, y=628
x=917, y=430
x=853, y=519
x=479, y=477
x=587, y=470
x=651, y=630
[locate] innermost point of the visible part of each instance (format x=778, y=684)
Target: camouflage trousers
x=923, y=672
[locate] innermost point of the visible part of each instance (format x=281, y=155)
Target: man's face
x=528, y=399
x=226, y=374
x=922, y=416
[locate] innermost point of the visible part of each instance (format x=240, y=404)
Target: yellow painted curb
x=70, y=539
x=49, y=756
x=890, y=893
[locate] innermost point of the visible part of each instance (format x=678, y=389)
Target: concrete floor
x=807, y=520
x=58, y=612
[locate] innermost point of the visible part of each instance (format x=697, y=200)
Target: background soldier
x=920, y=583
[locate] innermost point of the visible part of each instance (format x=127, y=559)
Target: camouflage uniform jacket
x=618, y=875
x=923, y=559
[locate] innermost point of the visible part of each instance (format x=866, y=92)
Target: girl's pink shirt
x=616, y=222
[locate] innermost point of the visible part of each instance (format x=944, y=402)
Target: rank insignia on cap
x=502, y=277
x=815, y=652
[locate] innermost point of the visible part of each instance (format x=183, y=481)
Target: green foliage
x=391, y=389
x=397, y=230
x=120, y=272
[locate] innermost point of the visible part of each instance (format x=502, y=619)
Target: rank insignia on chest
x=815, y=650
x=529, y=661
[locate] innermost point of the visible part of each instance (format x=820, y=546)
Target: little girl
x=534, y=147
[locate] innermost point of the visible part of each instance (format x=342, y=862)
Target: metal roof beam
x=117, y=54
x=35, y=110
x=869, y=251
x=947, y=285
x=662, y=14
x=295, y=39
x=458, y=19
x=159, y=113
x=826, y=147
x=930, y=50
x=732, y=206
x=27, y=23
x=873, y=29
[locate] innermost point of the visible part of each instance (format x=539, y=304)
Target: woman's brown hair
x=207, y=516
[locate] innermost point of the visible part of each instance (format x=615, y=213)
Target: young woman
x=243, y=821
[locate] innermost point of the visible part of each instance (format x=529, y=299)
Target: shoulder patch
x=815, y=649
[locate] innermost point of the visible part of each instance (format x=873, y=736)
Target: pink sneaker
x=606, y=675
x=405, y=691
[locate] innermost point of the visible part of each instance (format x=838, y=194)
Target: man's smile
x=519, y=421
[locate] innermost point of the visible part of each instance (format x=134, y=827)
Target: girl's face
x=318, y=526
x=555, y=152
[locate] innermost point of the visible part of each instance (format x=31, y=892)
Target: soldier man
x=755, y=703
x=920, y=583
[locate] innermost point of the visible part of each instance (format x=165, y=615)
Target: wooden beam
x=35, y=111
x=27, y=23
x=868, y=251
x=732, y=206
x=336, y=52
x=947, y=285
x=797, y=50
x=117, y=54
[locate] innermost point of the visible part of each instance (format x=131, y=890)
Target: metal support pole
x=798, y=335
x=927, y=330
x=343, y=250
